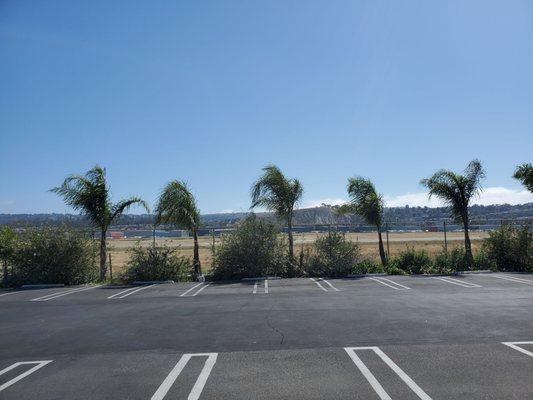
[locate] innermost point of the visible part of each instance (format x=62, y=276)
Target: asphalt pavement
x=380, y=337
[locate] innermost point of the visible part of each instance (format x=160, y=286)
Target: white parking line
x=64, y=293
x=380, y=280
x=8, y=293
x=325, y=289
x=514, y=345
x=513, y=279
x=194, y=287
x=383, y=395
x=319, y=285
x=128, y=292
x=200, y=382
x=256, y=284
x=38, y=365
x=333, y=287
x=457, y=282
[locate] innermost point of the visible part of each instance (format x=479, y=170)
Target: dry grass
x=429, y=241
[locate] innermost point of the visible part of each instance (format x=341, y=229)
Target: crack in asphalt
x=271, y=326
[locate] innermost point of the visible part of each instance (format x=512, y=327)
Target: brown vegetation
x=432, y=242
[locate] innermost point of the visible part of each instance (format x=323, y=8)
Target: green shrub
x=54, y=255
x=510, y=248
x=333, y=256
x=482, y=261
x=8, y=244
x=254, y=248
x=157, y=264
x=411, y=261
x=391, y=269
x=367, y=267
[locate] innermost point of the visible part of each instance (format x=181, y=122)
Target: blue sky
x=211, y=91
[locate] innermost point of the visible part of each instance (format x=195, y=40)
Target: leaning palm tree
x=457, y=191
x=177, y=206
x=366, y=202
x=524, y=173
x=277, y=193
x=89, y=194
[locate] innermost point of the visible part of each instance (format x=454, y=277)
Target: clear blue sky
x=211, y=91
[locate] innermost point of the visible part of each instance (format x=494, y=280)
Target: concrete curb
x=43, y=286
x=140, y=283
x=363, y=275
x=261, y=278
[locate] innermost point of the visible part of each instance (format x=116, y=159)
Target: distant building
x=115, y=234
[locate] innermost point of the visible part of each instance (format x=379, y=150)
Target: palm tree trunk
x=196, y=255
x=103, y=255
x=381, y=248
x=291, y=248
x=468, y=244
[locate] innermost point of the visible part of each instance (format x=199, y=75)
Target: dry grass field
x=432, y=242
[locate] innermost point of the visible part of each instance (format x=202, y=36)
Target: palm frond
x=364, y=201
x=119, y=208
x=455, y=190
x=275, y=192
x=177, y=206
x=88, y=194
x=524, y=173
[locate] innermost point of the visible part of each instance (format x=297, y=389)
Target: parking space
x=426, y=371
x=368, y=285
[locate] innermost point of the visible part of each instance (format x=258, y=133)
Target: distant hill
x=397, y=217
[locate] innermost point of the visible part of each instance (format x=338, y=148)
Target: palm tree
x=278, y=194
x=366, y=202
x=524, y=173
x=456, y=191
x=89, y=194
x=177, y=206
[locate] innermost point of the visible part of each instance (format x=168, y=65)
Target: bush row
x=255, y=248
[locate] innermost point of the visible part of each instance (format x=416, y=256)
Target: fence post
x=388, y=249
x=445, y=239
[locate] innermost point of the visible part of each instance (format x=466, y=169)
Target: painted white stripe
x=197, y=292
x=381, y=280
x=8, y=293
x=392, y=365
x=39, y=364
x=202, y=379
x=395, y=283
x=457, y=282
x=255, y=287
x=514, y=345
x=513, y=279
x=133, y=291
x=65, y=293
x=266, y=286
x=383, y=395
x=176, y=371
x=333, y=287
x=194, y=287
x=119, y=293
x=319, y=285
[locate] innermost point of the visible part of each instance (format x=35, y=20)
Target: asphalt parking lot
x=382, y=337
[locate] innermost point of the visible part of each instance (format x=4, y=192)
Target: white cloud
x=319, y=202
x=490, y=195
x=501, y=195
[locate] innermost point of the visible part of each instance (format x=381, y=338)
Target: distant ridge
x=323, y=215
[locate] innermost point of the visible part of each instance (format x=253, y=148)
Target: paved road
x=393, y=337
